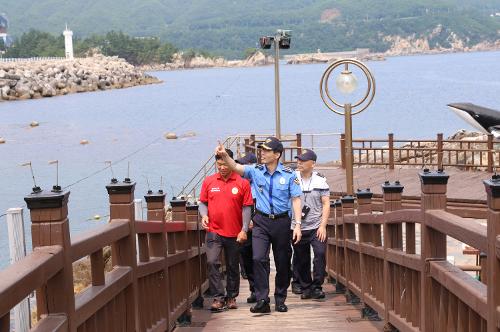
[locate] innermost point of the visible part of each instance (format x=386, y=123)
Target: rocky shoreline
x=49, y=78
x=197, y=62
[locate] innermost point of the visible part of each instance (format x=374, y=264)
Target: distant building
x=4, y=25
x=68, y=43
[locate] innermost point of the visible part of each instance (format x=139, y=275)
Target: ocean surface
x=128, y=125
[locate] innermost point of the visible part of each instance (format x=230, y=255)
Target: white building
x=68, y=43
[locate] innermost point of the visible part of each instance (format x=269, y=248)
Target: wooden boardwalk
x=330, y=314
x=462, y=184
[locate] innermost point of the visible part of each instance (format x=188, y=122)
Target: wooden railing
x=395, y=262
x=390, y=152
x=148, y=288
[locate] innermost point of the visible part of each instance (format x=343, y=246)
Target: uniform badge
x=282, y=180
x=234, y=190
x=296, y=181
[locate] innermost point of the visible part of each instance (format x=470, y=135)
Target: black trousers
x=276, y=233
x=247, y=259
x=302, y=260
x=215, y=244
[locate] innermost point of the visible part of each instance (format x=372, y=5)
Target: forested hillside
x=228, y=27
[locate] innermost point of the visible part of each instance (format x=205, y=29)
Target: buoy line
x=228, y=87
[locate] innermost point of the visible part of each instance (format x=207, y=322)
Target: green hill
x=228, y=27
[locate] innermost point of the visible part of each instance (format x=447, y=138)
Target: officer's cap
x=272, y=144
x=307, y=155
x=249, y=158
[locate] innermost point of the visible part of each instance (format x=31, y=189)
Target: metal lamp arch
x=324, y=87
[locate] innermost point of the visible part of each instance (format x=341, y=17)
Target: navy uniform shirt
x=273, y=193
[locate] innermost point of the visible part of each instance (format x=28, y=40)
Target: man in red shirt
x=225, y=208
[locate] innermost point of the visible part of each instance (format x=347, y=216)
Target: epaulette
x=259, y=166
x=287, y=169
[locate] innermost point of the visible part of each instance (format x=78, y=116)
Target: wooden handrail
x=460, y=284
x=18, y=280
x=95, y=239
x=471, y=233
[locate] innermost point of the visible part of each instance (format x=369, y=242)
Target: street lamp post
x=281, y=40
x=347, y=83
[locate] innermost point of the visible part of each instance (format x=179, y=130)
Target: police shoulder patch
x=320, y=175
x=287, y=169
x=259, y=166
x=296, y=181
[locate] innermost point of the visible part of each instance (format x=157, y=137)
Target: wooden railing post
x=299, y=143
x=493, y=300
x=50, y=227
x=364, y=199
x=123, y=252
x=342, y=150
x=349, y=234
x=440, y=150
x=391, y=150
x=490, y=153
x=331, y=247
x=192, y=217
x=339, y=249
x=179, y=213
x=393, y=239
x=155, y=203
x=433, y=197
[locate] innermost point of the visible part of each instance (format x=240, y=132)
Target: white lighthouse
x=68, y=42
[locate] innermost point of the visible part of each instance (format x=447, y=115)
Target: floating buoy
x=2, y=140
x=97, y=217
x=34, y=124
x=171, y=136
x=84, y=142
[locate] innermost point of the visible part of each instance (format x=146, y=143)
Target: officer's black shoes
x=252, y=298
x=262, y=307
x=281, y=307
x=306, y=295
x=318, y=294
x=296, y=289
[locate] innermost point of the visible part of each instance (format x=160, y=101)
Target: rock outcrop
x=181, y=62
x=49, y=78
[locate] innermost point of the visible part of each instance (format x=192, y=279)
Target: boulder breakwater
x=48, y=78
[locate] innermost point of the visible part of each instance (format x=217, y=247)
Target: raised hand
x=220, y=150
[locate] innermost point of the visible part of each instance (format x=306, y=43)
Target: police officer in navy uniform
x=277, y=192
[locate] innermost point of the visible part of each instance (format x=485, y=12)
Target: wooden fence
x=395, y=261
x=292, y=147
x=390, y=152
x=149, y=287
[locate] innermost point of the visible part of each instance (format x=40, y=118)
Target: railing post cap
x=151, y=197
x=364, y=193
x=492, y=186
x=175, y=201
x=117, y=187
x=192, y=206
x=347, y=199
x=46, y=199
x=393, y=188
x=430, y=177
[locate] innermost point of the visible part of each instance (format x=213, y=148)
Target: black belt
x=272, y=216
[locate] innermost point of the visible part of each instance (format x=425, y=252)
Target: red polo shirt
x=225, y=202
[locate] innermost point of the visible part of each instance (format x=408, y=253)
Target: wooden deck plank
x=462, y=184
x=330, y=314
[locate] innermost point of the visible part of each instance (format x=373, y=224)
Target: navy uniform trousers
x=269, y=232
